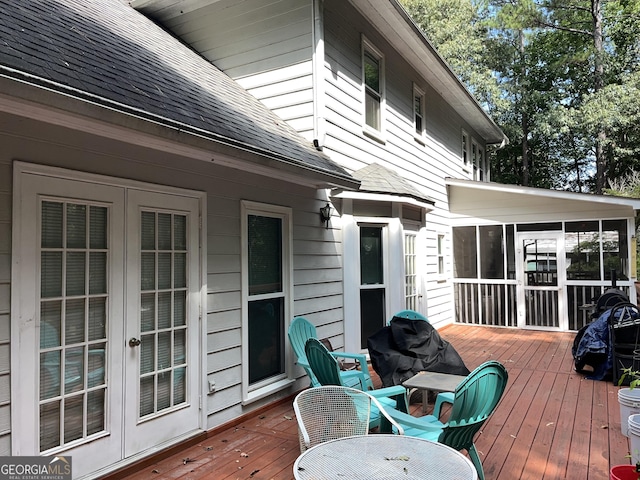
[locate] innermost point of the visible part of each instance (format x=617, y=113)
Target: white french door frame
x=31, y=183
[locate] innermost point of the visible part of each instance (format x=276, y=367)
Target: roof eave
x=35, y=98
x=633, y=203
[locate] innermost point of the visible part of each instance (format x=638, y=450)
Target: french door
x=105, y=320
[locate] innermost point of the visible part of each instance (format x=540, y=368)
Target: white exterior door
x=95, y=266
x=540, y=275
x=162, y=310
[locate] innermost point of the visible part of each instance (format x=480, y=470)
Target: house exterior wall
x=425, y=164
x=5, y=304
x=303, y=60
x=317, y=277
x=265, y=47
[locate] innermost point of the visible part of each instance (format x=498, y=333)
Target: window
x=372, y=282
x=440, y=255
x=410, y=272
x=267, y=291
x=465, y=148
x=474, y=158
x=418, y=111
x=482, y=166
x=373, y=75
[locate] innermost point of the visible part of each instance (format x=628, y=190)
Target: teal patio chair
x=474, y=401
x=410, y=314
x=327, y=371
x=328, y=412
x=302, y=330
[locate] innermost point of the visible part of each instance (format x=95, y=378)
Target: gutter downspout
x=317, y=66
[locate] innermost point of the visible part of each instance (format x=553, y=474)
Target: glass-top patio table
x=381, y=456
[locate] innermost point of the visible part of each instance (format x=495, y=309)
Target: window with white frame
x=440, y=255
x=474, y=158
x=465, y=148
x=482, y=165
x=418, y=112
x=410, y=272
x=373, y=80
x=267, y=290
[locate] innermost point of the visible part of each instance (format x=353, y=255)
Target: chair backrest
x=324, y=366
x=329, y=412
x=409, y=314
x=474, y=401
x=300, y=331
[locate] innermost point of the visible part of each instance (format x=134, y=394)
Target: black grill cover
x=407, y=347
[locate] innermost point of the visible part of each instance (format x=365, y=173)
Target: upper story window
x=474, y=158
x=482, y=165
x=373, y=79
x=418, y=112
x=465, y=148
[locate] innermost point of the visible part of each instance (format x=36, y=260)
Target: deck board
x=551, y=424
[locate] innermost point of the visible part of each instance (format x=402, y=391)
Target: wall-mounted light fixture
x=325, y=214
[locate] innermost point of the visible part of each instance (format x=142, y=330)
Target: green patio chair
x=327, y=371
x=474, y=401
x=302, y=330
x=410, y=314
x=328, y=412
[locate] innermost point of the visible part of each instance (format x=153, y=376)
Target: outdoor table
x=434, y=381
x=382, y=456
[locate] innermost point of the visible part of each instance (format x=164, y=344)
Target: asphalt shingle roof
x=375, y=178
x=106, y=50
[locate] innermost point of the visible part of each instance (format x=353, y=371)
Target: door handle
x=134, y=342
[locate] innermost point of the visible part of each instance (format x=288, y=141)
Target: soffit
x=514, y=203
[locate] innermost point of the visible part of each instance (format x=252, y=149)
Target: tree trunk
x=598, y=83
x=524, y=119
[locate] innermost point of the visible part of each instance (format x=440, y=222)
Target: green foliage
x=561, y=78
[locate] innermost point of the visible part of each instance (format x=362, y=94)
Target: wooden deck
x=551, y=423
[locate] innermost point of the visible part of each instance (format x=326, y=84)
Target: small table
x=434, y=381
x=381, y=456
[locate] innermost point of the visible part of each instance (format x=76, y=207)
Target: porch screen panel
x=614, y=249
x=582, y=245
x=491, y=252
x=74, y=256
x=163, y=311
x=465, y=257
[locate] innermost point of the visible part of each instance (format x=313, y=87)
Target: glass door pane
x=73, y=322
x=163, y=329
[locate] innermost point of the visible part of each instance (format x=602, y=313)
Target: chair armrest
x=427, y=423
x=302, y=431
x=443, y=397
x=359, y=357
x=398, y=428
x=397, y=392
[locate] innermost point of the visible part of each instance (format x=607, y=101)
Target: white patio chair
x=329, y=412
